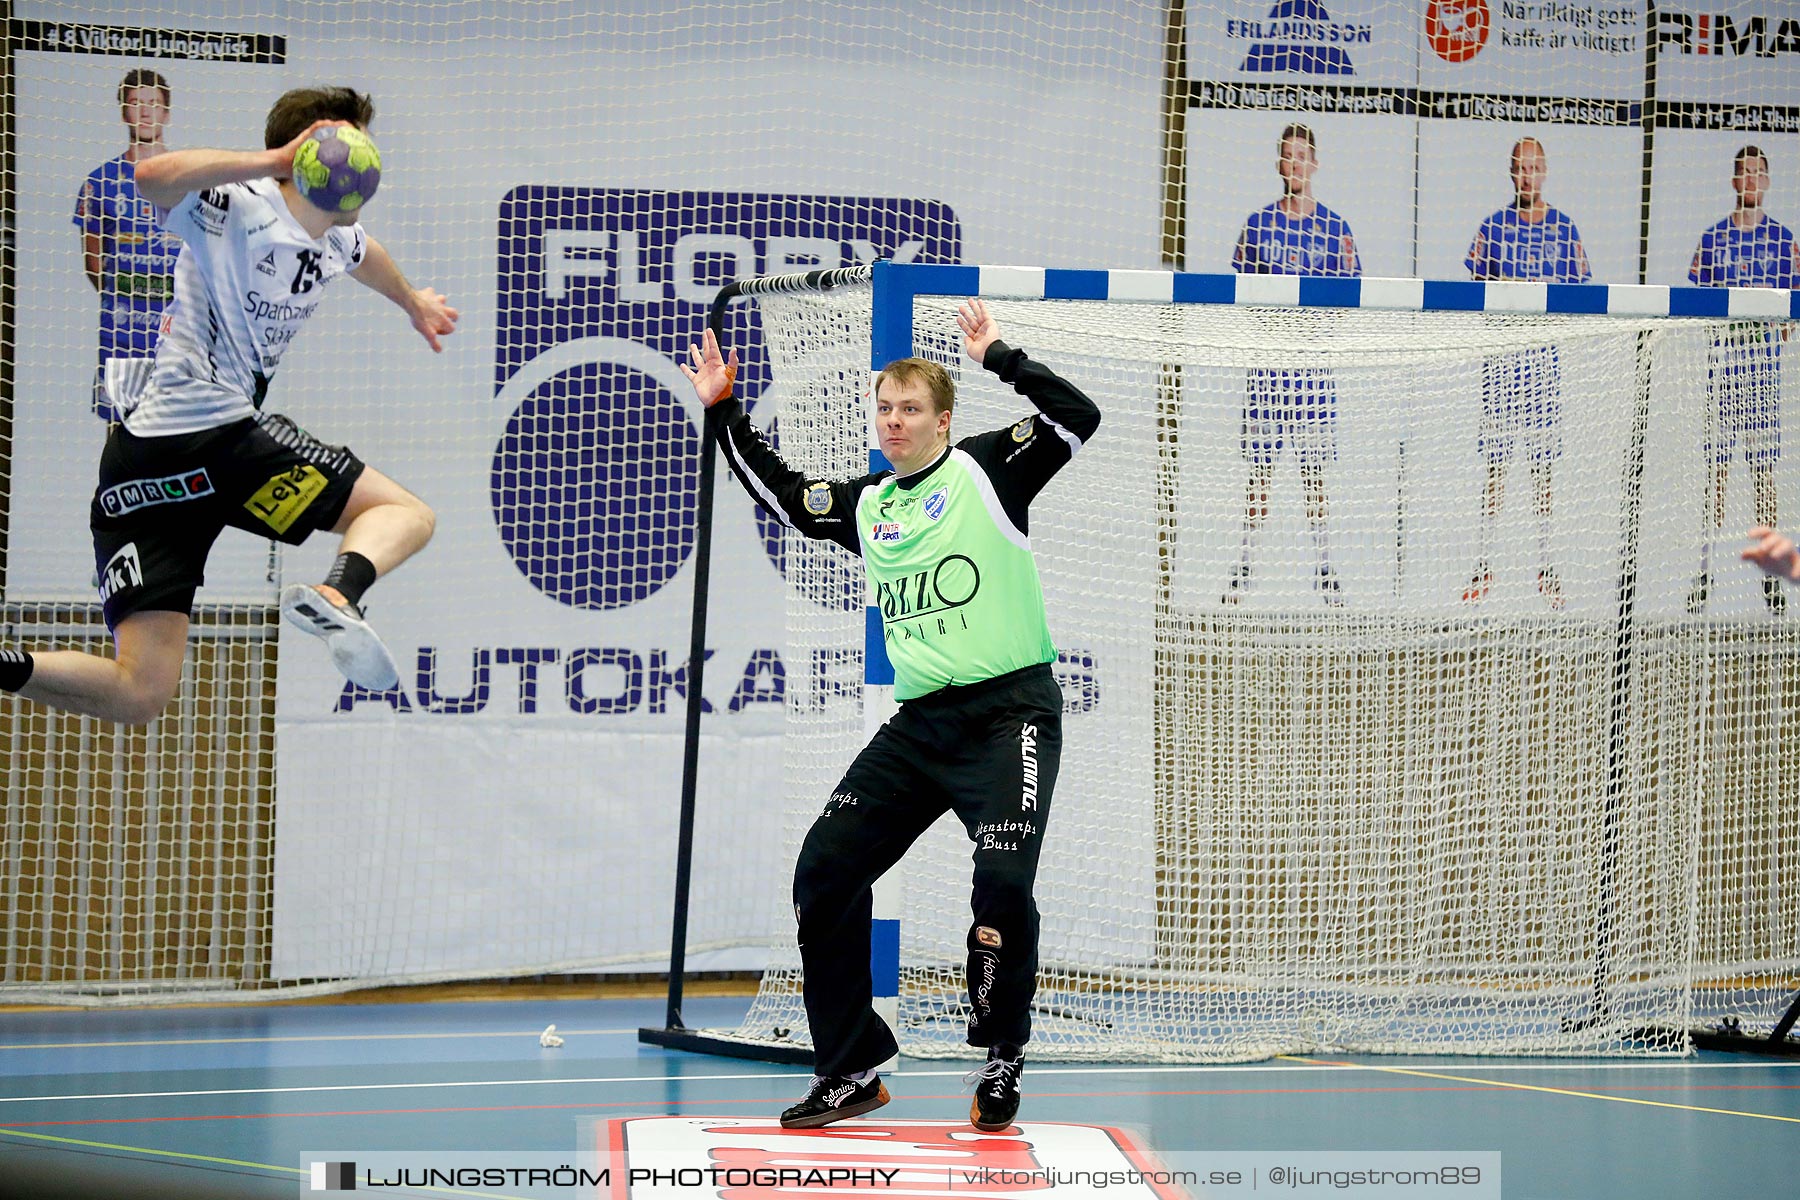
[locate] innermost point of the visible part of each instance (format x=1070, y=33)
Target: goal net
x=1383, y=734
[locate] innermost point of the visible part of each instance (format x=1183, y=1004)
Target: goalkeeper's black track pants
x=987, y=751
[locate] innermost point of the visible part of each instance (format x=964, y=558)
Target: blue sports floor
x=227, y=1101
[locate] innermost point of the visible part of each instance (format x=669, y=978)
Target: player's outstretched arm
x=165, y=179
x=1056, y=398
x=709, y=371
x=426, y=308
x=1774, y=552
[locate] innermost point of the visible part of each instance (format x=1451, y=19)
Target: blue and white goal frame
x=896, y=286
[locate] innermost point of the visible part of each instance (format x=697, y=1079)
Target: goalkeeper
x=944, y=541
x=195, y=451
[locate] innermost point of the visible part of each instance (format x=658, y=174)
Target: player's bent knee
x=1001, y=892
x=427, y=518
x=822, y=891
x=141, y=701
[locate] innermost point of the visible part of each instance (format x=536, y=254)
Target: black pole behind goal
x=674, y=1033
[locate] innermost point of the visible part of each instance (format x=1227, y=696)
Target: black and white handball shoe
x=356, y=649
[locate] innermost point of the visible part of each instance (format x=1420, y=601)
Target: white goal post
x=1400, y=813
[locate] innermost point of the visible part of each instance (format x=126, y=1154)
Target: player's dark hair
x=143, y=77
x=937, y=381
x=290, y=115
x=1296, y=130
x=1737, y=161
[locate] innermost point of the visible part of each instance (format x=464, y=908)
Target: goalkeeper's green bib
x=954, y=581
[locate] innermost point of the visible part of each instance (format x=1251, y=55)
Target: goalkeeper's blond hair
x=937, y=381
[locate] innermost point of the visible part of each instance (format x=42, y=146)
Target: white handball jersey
x=247, y=279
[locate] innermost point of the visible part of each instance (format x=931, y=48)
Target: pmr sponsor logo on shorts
x=279, y=502
x=123, y=570
x=122, y=498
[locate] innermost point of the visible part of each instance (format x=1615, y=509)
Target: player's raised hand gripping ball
x=337, y=168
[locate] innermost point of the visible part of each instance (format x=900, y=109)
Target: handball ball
x=337, y=168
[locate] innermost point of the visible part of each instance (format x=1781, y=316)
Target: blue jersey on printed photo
x=1509, y=247
x=1274, y=243
x=1744, y=374
x=1522, y=392
x=137, y=259
x=1764, y=255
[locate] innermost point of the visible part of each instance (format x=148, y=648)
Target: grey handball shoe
x=356, y=649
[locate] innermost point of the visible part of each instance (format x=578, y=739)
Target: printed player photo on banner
x=1725, y=208
x=1292, y=194
x=1535, y=203
x=1361, y=170
x=1468, y=173
x=1700, y=181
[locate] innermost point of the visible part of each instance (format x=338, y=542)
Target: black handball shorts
x=163, y=501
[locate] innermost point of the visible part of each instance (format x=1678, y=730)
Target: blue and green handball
x=337, y=168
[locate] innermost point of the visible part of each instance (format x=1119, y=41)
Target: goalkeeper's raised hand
x=710, y=373
x=979, y=329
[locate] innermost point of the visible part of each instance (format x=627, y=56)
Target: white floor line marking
x=1037, y=1071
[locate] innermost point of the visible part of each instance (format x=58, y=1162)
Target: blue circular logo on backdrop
x=592, y=479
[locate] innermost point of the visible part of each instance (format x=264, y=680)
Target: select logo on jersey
x=1300, y=36
x=936, y=503
x=266, y=264
x=818, y=499
x=279, y=502
x=122, y=498
x=1759, y=36
x=122, y=570
x=886, y=531
x=1457, y=29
